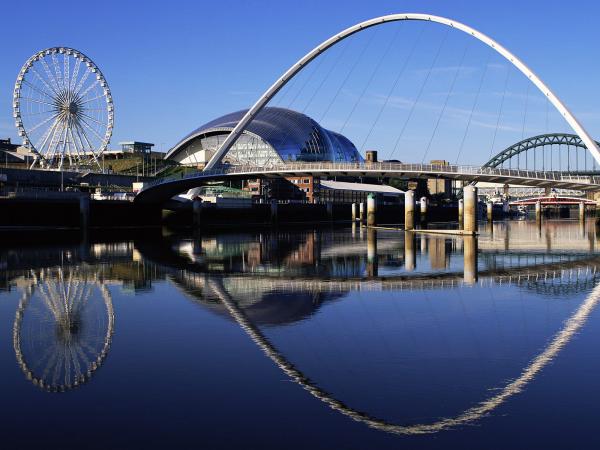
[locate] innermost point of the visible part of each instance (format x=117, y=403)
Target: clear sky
x=173, y=65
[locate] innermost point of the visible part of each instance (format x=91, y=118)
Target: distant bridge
x=553, y=200
x=162, y=190
x=528, y=151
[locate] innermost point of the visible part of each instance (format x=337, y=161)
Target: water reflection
x=63, y=327
x=269, y=283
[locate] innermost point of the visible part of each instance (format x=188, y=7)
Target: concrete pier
x=354, y=212
x=410, y=256
x=490, y=211
x=84, y=212
x=470, y=259
x=470, y=208
x=582, y=212
x=372, y=265
x=361, y=212
x=371, y=210
x=409, y=210
x=461, y=212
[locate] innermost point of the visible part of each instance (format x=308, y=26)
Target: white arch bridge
x=162, y=190
x=165, y=189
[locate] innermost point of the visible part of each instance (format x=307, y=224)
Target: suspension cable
x=368, y=44
x=394, y=85
x=508, y=71
x=377, y=66
x=464, y=138
x=443, y=110
x=420, y=93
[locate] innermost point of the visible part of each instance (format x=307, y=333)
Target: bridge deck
x=162, y=190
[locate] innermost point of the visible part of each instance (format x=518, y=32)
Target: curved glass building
x=274, y=137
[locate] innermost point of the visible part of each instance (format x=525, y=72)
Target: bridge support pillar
x=372, y=263
x=423, y=208
x=354, y=212
x=470, y=208
x=461, y=210
x=582, y=212
x=410, y=258
x=371, y=210
x=409, y=210
x=274, y=211
x=538, y=211
x=361, y=212
x=470, y=259
x=506, y=191
x=490, y=211
x=84, y=212
x=197, y=212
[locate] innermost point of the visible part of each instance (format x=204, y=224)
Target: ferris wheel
x=63, y=108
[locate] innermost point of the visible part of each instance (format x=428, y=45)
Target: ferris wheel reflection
x=63, y=328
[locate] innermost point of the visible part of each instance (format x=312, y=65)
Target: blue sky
x=174, y=65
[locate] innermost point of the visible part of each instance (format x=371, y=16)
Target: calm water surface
x=326, y=338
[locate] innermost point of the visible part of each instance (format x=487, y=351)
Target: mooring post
x=538, y=211
x=330, y=211
x=354, y=212
x=423, y=208
x=470, y=259
x=361, y=212
x=372, y=263
x=581, y=211
x=470, y=208
x=371, y=210
x=461, y=212
x=490, y=211
x=409, y=210
x=410, y=256
x=274, y=211
x=197, y=212
x=84, y=211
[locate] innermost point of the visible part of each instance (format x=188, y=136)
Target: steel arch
x=591, y=145
x=541, y=140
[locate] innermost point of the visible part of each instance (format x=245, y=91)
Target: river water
x=304, y=338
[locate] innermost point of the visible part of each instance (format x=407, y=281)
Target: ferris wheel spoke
x=46, y=136
x=92, y=99
x=56, y=67
x=35, y=88
x=66, y=72
x=87, y=125
x=74, y=143
x=51, y=77
x=89, y=88
x=54, y=116
x=38, y=101
x=87, y=138
x=74, y=75
x=44, y=82
x=40, y=113
x=93, y=119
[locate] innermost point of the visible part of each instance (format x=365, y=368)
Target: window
x=306, y=181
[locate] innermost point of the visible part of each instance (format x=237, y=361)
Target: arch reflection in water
x=560, y=339
x=63, y=328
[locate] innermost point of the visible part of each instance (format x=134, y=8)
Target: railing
x=382, y=167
